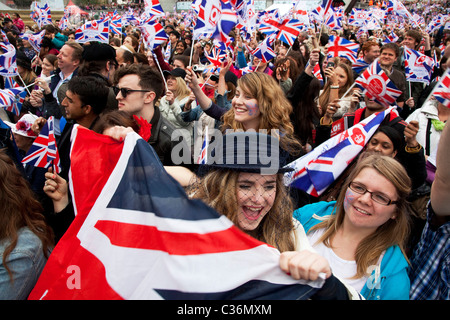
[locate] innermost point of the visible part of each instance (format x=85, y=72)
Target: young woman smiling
x=363, y=234
x=259, y=104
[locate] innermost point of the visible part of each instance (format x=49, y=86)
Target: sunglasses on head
x=125, y=91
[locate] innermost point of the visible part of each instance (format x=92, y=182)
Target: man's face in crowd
x=387, y=58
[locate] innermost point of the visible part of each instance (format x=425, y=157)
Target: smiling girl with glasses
x=363, y=233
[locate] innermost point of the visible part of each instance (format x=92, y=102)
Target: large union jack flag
x=136, y=235
x=286, y=30
x=318, y=169
x=341, y=47
x=442, y=89
x=377, y=85
x=95, y=30
x=43, y=151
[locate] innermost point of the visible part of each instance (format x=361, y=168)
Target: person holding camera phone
x=339, y=77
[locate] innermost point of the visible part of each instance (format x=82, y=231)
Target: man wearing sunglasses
x=137, y=90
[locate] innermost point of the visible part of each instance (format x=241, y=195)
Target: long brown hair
x=393, y=232
x=274, y=107
x=324, y=98
x=218, y=190
x=19, y=209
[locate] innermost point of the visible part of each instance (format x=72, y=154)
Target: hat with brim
x=23, y=126
x=248, y=152
x=177, y=72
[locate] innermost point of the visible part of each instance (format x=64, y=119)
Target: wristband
x=413, y=149
x=334, y=87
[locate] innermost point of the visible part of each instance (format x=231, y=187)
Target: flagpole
x=23, y=82
x=351, y=87
x=160, y=70
x=192, y=50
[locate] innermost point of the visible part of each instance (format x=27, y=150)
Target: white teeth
x=254, y=209
x=363, y=212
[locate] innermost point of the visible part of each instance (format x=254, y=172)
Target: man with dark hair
x=180, y=61
x=58, y=39
x=139, y=87
x=99, y=60
x=85, y=99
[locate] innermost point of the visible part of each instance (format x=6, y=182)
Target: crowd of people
x=381, y=228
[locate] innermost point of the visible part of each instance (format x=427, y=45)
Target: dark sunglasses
x=125, y=91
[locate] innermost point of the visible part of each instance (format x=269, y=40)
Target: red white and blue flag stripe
x=153, y=34
x=318, y=169
x=153, y=7
x=41, y=15
x=35, y=40
x=377, y=85
x=442, y=89
x=203, y=156
x=116, y=23
x=8, y=63
x=341, y=47
x=136, y=235
x=43, y=152
x=95, y=30
x=418, y=67
x=216, y=56
x=12, y=99
x=264, y=50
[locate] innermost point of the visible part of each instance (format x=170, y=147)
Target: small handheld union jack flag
x=43, y=151
x=377, y=85
x=264, y=50
x=340, y=47
x=95, y=30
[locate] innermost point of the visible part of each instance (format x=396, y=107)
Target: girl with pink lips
x=258, y=203
x=363, y=234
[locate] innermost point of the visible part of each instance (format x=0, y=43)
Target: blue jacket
x=389, y=282
x=26, y=261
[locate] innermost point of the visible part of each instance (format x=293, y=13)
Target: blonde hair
x=182, y=89
x=393, y=232
x=218, y=189
x=274, y=108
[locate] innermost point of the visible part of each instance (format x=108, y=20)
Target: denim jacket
x=25, y=261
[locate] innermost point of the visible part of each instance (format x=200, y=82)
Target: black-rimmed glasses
x=378, y=197
x=125, y=91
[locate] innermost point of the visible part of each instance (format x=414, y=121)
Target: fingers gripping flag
x=318, y=169
x=136, y=235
